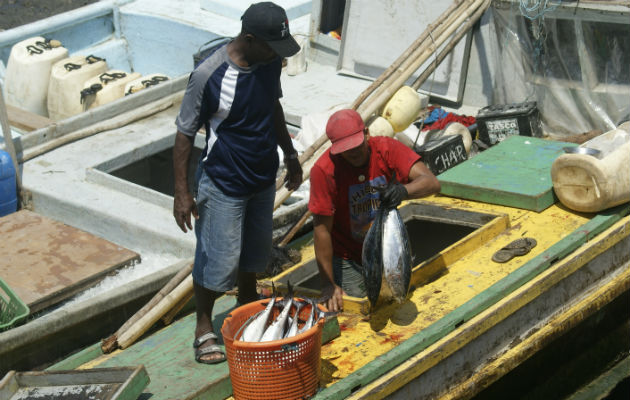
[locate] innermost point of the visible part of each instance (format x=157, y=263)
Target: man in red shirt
x=344, y=198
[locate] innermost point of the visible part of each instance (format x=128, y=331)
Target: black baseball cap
x=269, y=22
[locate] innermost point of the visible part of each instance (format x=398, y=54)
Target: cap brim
x=285, y=47
x=347, y=143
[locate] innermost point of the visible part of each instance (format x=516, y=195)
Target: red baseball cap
x=345, y=130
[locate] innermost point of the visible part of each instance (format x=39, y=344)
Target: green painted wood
x=134, y=387
x=330, y=330
x=515, y=173
x=601, y=387
x=473, y=307
x=76, y=360
x=168, y=357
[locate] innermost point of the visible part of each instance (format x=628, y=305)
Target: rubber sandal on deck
x=518, y=247
x=201, y=339
x=212, y=349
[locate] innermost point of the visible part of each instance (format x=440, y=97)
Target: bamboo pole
x=303, y=157
x=283, y=193
x=109, y=344
x=451, y=45
x=449, y=13
x=136, y=330
x=113, y=123
x=445, y=20
x=172, y=313
x=385, y=93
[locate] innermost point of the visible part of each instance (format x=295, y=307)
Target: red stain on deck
x=395, y=337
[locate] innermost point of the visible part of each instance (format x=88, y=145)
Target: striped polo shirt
x=236, y=106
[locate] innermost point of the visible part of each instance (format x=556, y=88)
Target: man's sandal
x=211, y=349
x=518, y=247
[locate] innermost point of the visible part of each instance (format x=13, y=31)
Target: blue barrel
x=8, y=193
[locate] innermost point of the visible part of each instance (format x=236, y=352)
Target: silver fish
x=309, y=321
x=293, y=324
x=275, y=331
x=256, y=328
x=386, y=257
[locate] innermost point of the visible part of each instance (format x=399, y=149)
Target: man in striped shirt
x=234, y=94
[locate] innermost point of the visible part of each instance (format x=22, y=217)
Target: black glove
x=393, y=194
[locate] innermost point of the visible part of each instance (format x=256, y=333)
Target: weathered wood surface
x=124, y=383
x=45, y=261
x=26, y=120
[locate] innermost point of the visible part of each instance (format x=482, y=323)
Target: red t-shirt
x=348, y=194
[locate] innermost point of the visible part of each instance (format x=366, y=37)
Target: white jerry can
x=28, y=73
x=144, y=82
x=66, y=82
x=105, y=88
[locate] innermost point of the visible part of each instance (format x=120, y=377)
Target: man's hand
x=183, y=206
x=334, y=295
x=294, y=174
x=393, y=195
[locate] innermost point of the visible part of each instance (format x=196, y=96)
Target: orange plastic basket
x=280, y=369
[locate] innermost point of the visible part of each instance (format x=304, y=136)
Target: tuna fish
x=386, y=257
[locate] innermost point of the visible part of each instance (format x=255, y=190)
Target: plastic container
x=455, y=128
x=12, y=308
x=281, y=369
x=589, y=183
x=28, y=73
x=105, y=88
x=67, y=78
x=497, y=122
x=381, y=127
x=8, y=188
x=144, y=82
x=403, y=108
x=296, y=64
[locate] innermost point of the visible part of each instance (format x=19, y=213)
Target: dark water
x=573, y=360
x=19, y=12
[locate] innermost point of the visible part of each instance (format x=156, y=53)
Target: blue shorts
x=232, y=233
x=348, y=275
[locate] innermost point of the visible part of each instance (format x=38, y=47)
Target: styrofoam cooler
x=67, y=78
x=105, y=88
x=144, y=82
x=28, y=73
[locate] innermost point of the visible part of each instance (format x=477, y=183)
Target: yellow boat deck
x=469, y=272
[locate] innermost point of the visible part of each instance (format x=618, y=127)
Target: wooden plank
x=515, y=173
x=473, y=307
x=124, y=383
x=26, y=120
x=45, y=261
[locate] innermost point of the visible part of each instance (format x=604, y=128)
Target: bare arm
x=322, y=228
x=183, y=202
x=294, y=169
x=422, y=182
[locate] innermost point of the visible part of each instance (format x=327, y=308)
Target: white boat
x=492, y=65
